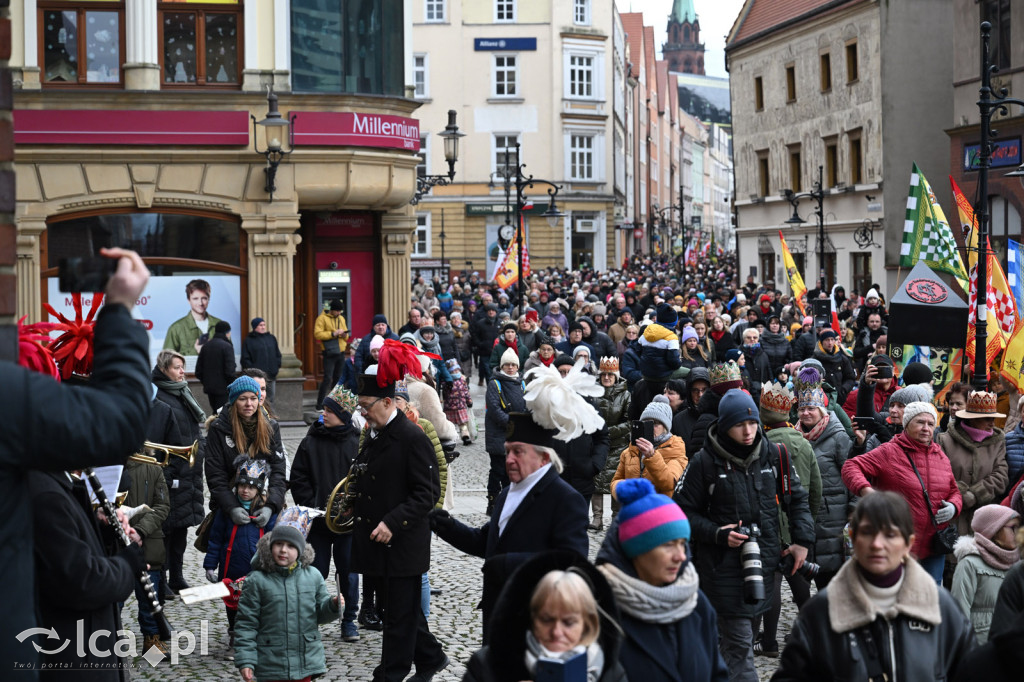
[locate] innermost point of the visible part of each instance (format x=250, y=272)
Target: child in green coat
x=284, y=600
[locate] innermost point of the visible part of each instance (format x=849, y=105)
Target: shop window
x=860, y=264
x=348, y=47
x=767, y=266
x=1004, y=224
x=202, y=45
x=81, y=43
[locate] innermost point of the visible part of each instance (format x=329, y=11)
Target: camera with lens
x=750, y=560
x=809, y=569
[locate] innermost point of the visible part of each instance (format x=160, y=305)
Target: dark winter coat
x=682, y=651
x=598, y=340
x=777, y=349
x=831, y=450
x=522, y=352
x=216, y=365
x=926, y=639
x=484, y=332
x=322, y=459
x=148, y=487
x=725, y=343
x=363, y=358
x=613, y=406
x=719, y=488
x=838, y=371
x=1015, y=453
x=584, y=457
x=629, y=365
x=864, y=345
x=803, y=346
x=446, y=339
x=98, y=425
x=221, y=452
x=184, y=483
x=979, y=469
x=504, y=395
x=758, y=369
x=399, y=487
x=242, y=546
x=76, y=580
x=999, y=660
x=503, y=659
x=707, y=414
x=261, y=351
x=551, y=516
x=1010, y=604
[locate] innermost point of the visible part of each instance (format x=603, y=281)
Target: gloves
x=946, y=512
x=440, y=520
x=211, y=575
x=262, y=517
x=970, y=500
x=239, y=516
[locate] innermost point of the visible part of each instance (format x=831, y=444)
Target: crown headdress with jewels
x=777, y=398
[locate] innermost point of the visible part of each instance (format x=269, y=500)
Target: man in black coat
x=838, y=366
x=583, y=458
x=484, y=332
x=382, y=329
x=546, y=512
x=98, y=425
x=597, y=339
x=391, y=534
x=216, y=365
x=260, y=350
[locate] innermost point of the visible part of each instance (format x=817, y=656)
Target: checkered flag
x=926, y=233
x=1000, y=301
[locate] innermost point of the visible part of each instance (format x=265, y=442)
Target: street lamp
x=817, y=194
x=521, y=182
x=451, y=137
x=275, y=127
x=987, y=103
x=661, y=214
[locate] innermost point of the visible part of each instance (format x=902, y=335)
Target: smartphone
x=883, y=371
x=639, y=429
x=203, y=338
x=863, y=422
x=572, y=670
x=89, y=274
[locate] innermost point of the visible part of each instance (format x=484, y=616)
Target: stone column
x=142, y=64
x=28, y=267
x=395, y=228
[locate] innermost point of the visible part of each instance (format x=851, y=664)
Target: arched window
x=686, y=34
x=1004, y=224
x=688, y=66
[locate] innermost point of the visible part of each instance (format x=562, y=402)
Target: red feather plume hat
x=73, y=349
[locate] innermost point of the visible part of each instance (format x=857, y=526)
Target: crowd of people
x=740, y=442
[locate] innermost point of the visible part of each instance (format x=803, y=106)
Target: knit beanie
x=827, y=333
x=379, y=318
x=660, y=411
x=243, y=384
x=292, y=527
x=912, y=394
x=918, y=407
x=574, y=326
x=563, y=360
x=647, y=519
x=377, y=342
x=736, y=406
x=510, y=325
x=256, y=321
x=872, y=293
x=666, y=315
x=509, y=357
x=989, y=519
x=808, y=320
x=689, y=333
x=578, y=350
x=916, y=373
x=733, y=355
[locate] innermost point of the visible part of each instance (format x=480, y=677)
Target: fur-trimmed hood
x=963, y=440
x=964, y=547
x=849, y=606
x=263, y=561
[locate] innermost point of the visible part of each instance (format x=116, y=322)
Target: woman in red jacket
x=888, y=467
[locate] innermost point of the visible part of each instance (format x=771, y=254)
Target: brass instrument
x=341, y=502
x=160, y=454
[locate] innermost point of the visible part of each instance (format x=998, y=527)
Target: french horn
x=341, y=502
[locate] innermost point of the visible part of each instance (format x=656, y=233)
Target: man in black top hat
x=391, y=534
x=537, y=512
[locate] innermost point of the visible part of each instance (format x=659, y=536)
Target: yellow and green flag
x=796, y=282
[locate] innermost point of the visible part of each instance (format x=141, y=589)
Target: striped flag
x=926, y=233
x=1014, y=259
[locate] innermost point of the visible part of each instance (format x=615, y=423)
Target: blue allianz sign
x=512, y=44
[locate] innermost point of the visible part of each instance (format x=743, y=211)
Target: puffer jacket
x=664, y=468
x=979, y=469
x=718, y=489
x=629, y=364
x=707, y=407
x=446, y=339
x=806, y=467
x=803, y=346
x=925, y=639
x=242, y=545
x=598, y=340
x=221, y=452
x=1015, y=453
x=778, y=350
x=279, y=613
x=659, y=352
x=976, y=585
x=831, y=450
x=758, y=370
x=613, y=406
x=504, y=395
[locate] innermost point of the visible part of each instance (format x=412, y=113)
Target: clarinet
x=156, y=609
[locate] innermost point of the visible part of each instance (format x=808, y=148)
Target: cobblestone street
x=454, y=620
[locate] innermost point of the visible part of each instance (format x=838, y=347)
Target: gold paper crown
x=982, y=402
x=609, y=364
x=723, y=372
x=777, y=398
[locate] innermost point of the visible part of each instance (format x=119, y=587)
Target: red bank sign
x=353, y=129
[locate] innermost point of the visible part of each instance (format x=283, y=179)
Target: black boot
x=369, y=619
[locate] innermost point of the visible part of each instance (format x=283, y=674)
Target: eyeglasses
x=366, y=408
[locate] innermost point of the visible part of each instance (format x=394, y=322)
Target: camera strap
x=924, y=490
x=872, y=656
x=785, y=475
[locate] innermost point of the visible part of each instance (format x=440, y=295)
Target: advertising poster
x=164, y=302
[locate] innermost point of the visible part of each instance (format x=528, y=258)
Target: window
x=581, y=157
x=826, y=71
x=421, y=167
x=791, y=83
x=421, y=240
x=851, y=62
x=767, y=267
x=762, y=173
x=348, y=47
x=504, y=10
x=434, y=10
x=860, y=265
x=581, y=76
x=82, y=45
x=201, y=46
x=581, y=12
x=505, y=75
x=505, y=147
x=794, y=168
x=1005, y=225
x=997, y=13
x=419, y=75
x=758, y=94
x=831, y=163
x=856, y=163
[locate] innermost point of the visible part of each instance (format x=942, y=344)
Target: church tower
x=684, y=51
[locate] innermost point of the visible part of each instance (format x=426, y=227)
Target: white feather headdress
x=557, y=403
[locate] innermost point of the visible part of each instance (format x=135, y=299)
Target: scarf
x=994, y=555
x=835, y=349
x=717, y=336
x=752, y=347
x=658, y=440
x=249, y=429
x=815, y=433
x=180, y=390
x=535, y=650
x=546, y=363
x=977, y=435
x=445, y=328
x=652, y=604
x=246, y=504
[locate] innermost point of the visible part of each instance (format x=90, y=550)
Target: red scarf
x=717, y=336
x=546, y=363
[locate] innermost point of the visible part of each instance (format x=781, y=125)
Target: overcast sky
x=716, y=17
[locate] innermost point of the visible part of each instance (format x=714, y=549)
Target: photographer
x=729, y=493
